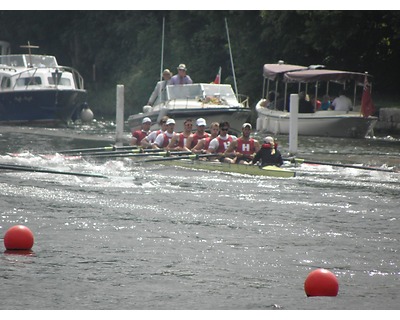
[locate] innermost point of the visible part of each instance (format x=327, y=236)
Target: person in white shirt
x=342, y=103
x=159, y=90
x=221, y=143
x=164, y=138
x=148, y=141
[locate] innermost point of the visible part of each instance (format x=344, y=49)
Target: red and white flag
x=218, y=77
x=367, y=106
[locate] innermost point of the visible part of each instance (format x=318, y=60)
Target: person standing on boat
x=160, y=88
x=342, y=103
x=181, y=77
x=198, y=135
x=268, y=154
x=244, y=148
x=164, y=138
x=139, y=135
x=148, y=141
x=179, y=140
x=203, y=144
x=221, y=143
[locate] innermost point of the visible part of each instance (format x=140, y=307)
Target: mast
x=162, y=49
x=230, y=53
x=29, y=46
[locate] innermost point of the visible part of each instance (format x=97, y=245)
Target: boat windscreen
x=197, y=91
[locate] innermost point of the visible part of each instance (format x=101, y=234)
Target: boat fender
x=87, y=114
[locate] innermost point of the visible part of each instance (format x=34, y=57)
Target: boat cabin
x=23, y=72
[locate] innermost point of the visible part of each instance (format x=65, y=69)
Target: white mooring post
x=293, y=129
x=120, y=115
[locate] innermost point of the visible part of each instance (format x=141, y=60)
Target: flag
x=218, y=77
x=367, y=106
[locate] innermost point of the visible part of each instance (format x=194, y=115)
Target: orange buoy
x=321, y=282
x=18, y=238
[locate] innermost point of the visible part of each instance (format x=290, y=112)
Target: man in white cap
x=203, y=144
x=164, y=138
x=148, y=141
x=268, y=154
x=199, y=134
x=160, y=88
x=139, y=135
x=244, y=148
x=179, y=141
x=181, y=77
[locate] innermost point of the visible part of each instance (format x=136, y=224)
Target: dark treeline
x=124, y=47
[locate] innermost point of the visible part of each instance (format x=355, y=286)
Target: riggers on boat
x=35, y=90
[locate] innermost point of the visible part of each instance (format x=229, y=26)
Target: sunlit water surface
x=152, y=236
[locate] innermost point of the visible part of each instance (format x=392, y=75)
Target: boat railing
x=76, y=75
x=243, y=99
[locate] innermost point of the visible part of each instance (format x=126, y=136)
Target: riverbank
x=389, y=121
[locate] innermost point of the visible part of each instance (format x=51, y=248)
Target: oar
x=106, y=153
x=297, y=160
x=36, y=169
x=109, y=148
x=134, y=154
x=190, y=156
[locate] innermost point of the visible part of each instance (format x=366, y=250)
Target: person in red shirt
x=198, y=135
x=179, y=141
x=219, y=144
x=243, y=149
x=164, y=138
x=139, y=135
x=203, y=144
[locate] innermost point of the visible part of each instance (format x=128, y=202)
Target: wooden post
x=293, y=129
x=120, y=115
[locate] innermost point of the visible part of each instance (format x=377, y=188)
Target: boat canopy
x=314, y=75
x=271, y=71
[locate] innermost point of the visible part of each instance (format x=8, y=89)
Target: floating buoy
x=18, y=238
x=86, y=115
x=321, y=282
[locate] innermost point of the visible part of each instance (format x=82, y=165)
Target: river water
x=155, y=237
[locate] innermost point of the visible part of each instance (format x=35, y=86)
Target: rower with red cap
x=268, y=154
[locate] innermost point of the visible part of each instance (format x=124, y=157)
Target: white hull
x=320, y=124
x=196, y=106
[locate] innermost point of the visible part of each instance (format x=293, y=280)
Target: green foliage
x=124, y=47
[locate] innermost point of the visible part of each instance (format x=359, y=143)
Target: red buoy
x=321, y=282
x=18, y=238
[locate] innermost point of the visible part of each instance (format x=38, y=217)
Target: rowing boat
x=271, y=171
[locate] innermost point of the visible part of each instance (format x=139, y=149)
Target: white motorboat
x=328, y=123
x=35, y=90
x=213, y=102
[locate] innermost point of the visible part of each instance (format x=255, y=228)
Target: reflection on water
x=160, y=237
